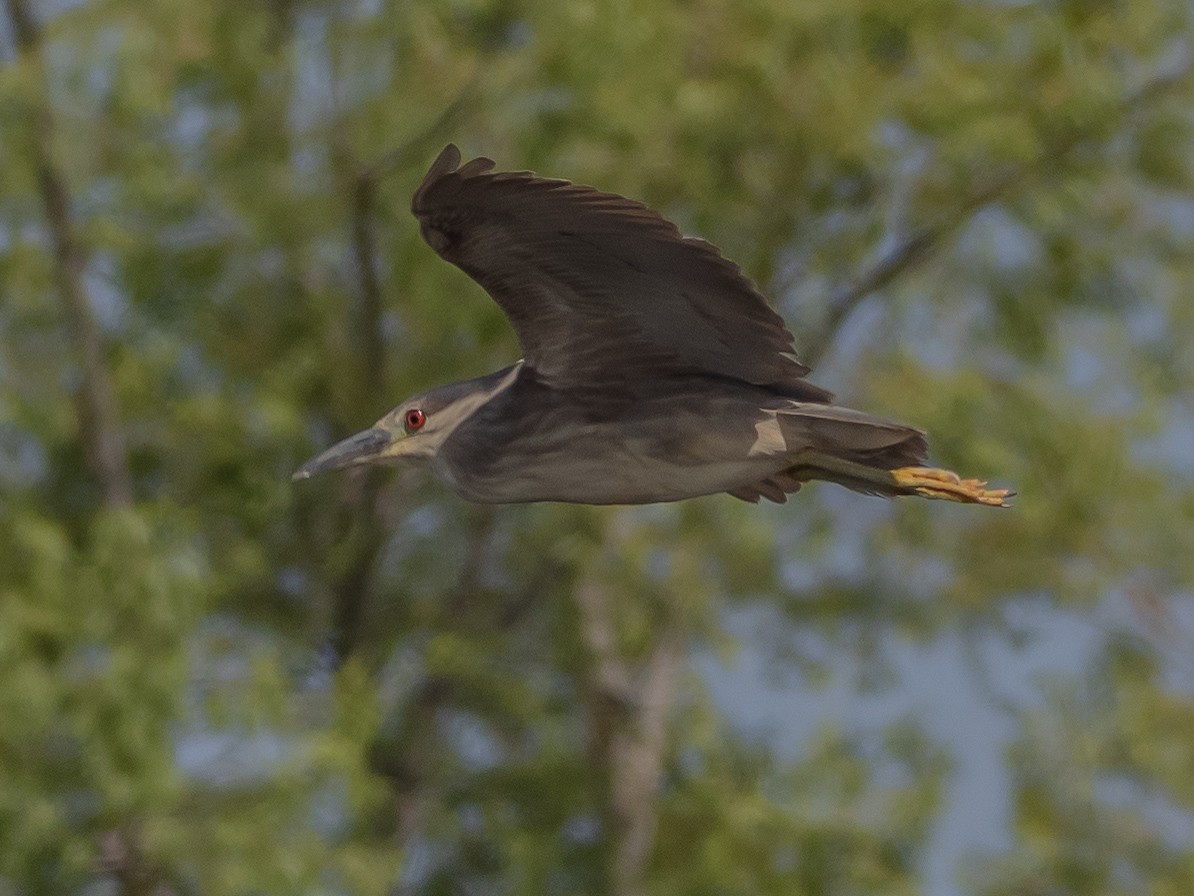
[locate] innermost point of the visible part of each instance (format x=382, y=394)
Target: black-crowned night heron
x=653, y=370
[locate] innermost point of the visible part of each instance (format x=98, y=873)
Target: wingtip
x=479, y=165
x=448, y=159
x=445, y=163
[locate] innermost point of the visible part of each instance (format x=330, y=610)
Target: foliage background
x=977, y=217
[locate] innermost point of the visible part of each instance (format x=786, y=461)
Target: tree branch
x=363, y=228
x=406, y=153
x=913, y=250
x=407, y=760
x=636, y=758
x=99, y=426
x=358, y=495
x=361, y=182
x=922, y=243
x=627, y=720
x=121, y=858
x=363, y=187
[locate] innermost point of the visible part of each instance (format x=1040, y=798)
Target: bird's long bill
x=359, y=449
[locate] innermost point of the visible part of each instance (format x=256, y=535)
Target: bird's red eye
x=415, y=419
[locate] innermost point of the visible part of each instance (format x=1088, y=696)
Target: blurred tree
x=214, y=682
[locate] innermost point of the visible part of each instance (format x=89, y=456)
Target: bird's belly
x=599, y=469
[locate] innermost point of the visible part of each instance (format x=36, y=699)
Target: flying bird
x=653, y=369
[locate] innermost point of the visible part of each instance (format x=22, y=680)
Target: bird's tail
x=840, y=445
x=863, y=453
x=851, y=448
x=866, y=454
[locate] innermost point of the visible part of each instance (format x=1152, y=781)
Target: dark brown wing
x=599, y=288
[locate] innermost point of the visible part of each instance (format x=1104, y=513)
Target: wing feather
x=601, y=289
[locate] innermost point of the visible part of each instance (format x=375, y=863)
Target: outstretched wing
x=601, y=289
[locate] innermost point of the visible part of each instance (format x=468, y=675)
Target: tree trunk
x=99, y=423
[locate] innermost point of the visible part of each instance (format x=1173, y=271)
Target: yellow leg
x=949, y=486
x=924, y=481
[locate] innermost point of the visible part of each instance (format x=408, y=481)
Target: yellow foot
x=947, y=486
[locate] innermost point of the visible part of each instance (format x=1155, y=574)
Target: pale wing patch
x=769, y=438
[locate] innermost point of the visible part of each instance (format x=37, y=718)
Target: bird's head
x=415, y=429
